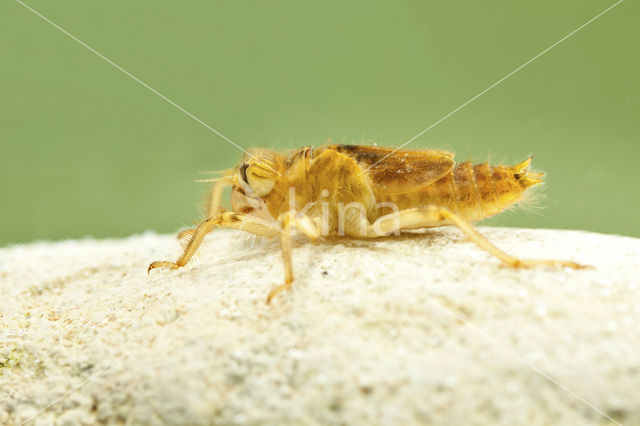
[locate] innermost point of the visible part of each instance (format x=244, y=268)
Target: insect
x=356, y=191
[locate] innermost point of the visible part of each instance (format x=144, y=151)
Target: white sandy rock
x=418, y=329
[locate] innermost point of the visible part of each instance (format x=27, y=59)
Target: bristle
x=531, y=201
x=210, y=180
x=243, y=235
x=211, y=172
x=184, y=238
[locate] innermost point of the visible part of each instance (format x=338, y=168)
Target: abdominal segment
x=473, y=192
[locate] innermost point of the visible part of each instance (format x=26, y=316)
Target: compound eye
x=243, y=172
x=255, y=179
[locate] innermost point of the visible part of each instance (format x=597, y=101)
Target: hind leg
x=438, y=216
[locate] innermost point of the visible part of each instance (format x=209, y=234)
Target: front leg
x=213, y=204
x=232, y=220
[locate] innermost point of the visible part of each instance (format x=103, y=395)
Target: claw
x=162, y=264
x=532, y=263
x=576, y=265
x=277, y=290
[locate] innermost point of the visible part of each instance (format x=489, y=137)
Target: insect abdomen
x=472, y=191
x=482, y=190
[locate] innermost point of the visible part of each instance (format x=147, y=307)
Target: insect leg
x=305, y=225
x=213, y=205
x=215, y=197
x=437, y=216
x=226, y=220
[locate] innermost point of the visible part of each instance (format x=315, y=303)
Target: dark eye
x=243, y=172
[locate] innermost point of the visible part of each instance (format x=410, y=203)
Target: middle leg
x=305, y=225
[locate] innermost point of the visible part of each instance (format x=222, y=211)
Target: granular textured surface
x=423, y=328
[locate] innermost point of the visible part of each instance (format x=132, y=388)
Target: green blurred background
x=86, y=150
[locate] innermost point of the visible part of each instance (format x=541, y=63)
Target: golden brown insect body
x=362, y=192
x=474, y=192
